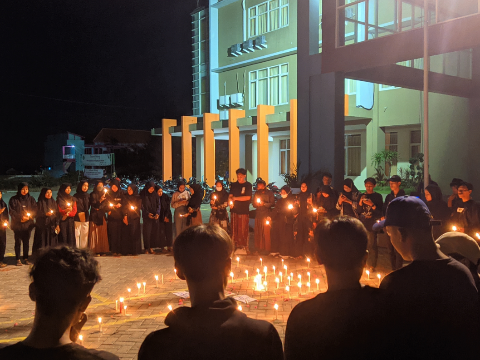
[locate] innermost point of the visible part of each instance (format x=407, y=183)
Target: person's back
x=218, y=332
x=349, y=321
x=212, y=328
x=72, y=351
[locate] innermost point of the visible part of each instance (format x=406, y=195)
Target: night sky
x=132, y=58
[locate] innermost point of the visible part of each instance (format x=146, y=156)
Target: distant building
x=63, y=153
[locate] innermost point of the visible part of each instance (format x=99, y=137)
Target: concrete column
x=199, y=157
x=262, y=140
x=293, y=134
x=234, y=142
x=209, y=148
x=167, y=148
x=187, y=145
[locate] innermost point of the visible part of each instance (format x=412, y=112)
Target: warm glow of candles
x=261, y=262
x=100, y=324
x=276, y=311
x=68, y=204
x=267, y=222
x=368, y=274
x=454, y=228
x=299, y=277
x=273, y=269
x=315, y=210
x=238, y=261
x=156, y=281
x=277, y=280
x=129, y=292
x=265, y=284
x=51, y=211
x=80, y=338
x=246, y=272
x=318, y=282
x=138, y=288
x=240, y=308
x=132, y=207
x=231, y=275
x=5, y=224
x=287, y=289
x=308, y=262
x=265, y=269
x=258, y=200
x=308, y=285
x=111, y=205
x=170, y=307
x=125, y=310
x=308, y=274
x=105, y=190
x=379, y=278
x=28, y=214
x=477, y=235
x=299, y=284
x=144, y=284
x=290, y=206
x=281, y=276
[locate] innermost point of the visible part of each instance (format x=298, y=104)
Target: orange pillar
x=209, y=148
x=234, y=142
x=262, y=140
x=293, y=134
x=167, y=148
x=187, y=146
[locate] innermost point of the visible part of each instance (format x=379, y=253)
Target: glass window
x=415, y=142
x=268, y=16
x=353, y=154
x=285, y=156
x=269, y=86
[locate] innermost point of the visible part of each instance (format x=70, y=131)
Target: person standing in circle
x=180, y=200
x=98, y=235
x=67, y=209
x=81, y=217
x=240, y=198
x=47, y=223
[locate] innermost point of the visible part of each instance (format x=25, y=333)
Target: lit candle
x=281, y=276
x=276, y=311
x=100, y=324
x=238, y=261
x=5, y=224
x=122, y=301
x=28, y=215
x=318, y=282
x=258, y=271
x=291, y=275
x=285, y=267
x=156, y=280
x=290, y=207
x=170, y=307
x=288, y=277
x=125, y=310
x=116, y=305
x=308, y=285
x=454, y=228
x=379, y=277
x=246, y=272
x=308, y=263
x=138, y=288
x=267, y=222
x=231, y=203
x=214, y=197
x=273, y=269
x=265, y=270
x=277, y=280
x=51, y=211
x=287, y=289
x=315, y=210
x=299, y=284
x=477, y=235
x=144, y=287
x=175, y=271
x=308, y=276
x=261, y=262
x=282, y=263
x=132, y=207
x=368, y=274
x=240, y=308
x=265, y=284
x=105, y=190
x=231, y=275
x=162, y=278
x=258, y=200
x=68, y=204
x=80, y=339
x=129, y=293
x=111, y=205
x=299, y=277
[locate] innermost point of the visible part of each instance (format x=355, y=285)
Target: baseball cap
x=407, y=212
x=459, y=243
x=395, y=178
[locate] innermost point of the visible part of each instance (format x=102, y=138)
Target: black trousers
x=114, y=229
x=149, y=227
x=3, y=244
x=22, y=237
x=67, y=232
x=396, y=259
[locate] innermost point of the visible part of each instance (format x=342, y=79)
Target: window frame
x=346, y=147
x=267, y=13
x=287, y=151
x=268, y=78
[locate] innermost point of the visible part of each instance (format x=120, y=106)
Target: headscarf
x=435, y=191
x=115, y=182
x=197, y=197
x=44, y=204
x=19, y=191
x=150, y=200
x=351, y=185
x=286, y=188
x=222, y=195
x=95, y=189
x=134, y=189
x=62, y=197
x=80, y=194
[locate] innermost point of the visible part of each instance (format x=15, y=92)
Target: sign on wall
x=97, y=160
x=93, y=173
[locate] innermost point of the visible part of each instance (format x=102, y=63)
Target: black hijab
x=435, y=191
x=197, y=197
x=19, y=191
x=95, y=189
x=45, y=205
x=328, y=203
x=150, y=200
x=80, y=194
x=222, y=195
x=62, y=197
x=134, y=189
x=115, y=182
x=351, y=185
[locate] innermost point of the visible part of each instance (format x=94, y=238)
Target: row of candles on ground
x=275, y=307
x=283, y=263
x=454, y=228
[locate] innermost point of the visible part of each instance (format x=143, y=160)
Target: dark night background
x=133, y=58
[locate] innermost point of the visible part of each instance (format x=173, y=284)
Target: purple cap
x=407, y=212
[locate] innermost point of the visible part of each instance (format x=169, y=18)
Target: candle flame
x=277, y=280
x=299, y=284
x=144, y=283
x=368, y=272
x=290, y=207
x=5, y=224
x=308, y=259
x=121, y=299
x=132, y=207
x=317, y=281
x=240, y=308
x=308, y=284
x=231, y=274
x=454, y=228
x=68, y=204
x=139, y=285
x=170, y=307
x=125, y=307
x=267, y=222
x=51, y=211
x=258, y=200
x=129, y=289
x=99, y=320
x=111, y=205
x=28, y=214
x=246, y=271
x=80, y=337
x=477, y=235
x=315, y=210
x=287, y=288
x=156, y=277
x=379, y=276
x=275, y=306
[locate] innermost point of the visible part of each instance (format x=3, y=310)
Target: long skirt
x=3, y=244
x=168, y=233
x=44, y=237
x=283, y=238
x=67, y=232
x=240, y=229
x=132, y=238
x=81, y=234
x=214, y=220
x=114, y=227
x=180, y=220
x=303, y=226
x=149, y=229
x=262, y=235
x=197, y=219
x=98, y=238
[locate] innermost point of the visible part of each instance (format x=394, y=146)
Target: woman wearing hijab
x=219, y=204
x=3, y=229
x=67, y=209
x=47, y=223
x=263, y=202
x=97, y=230
x=194, y=213
x=326, y=203
x=179, y=203
x=348, y=199
x=132, y=235
x=283, y=218
x=438, y=208
x=81, y=218
x=304, y=223
x=23, y=210
x=150, y=207
x=115, y=202
x=165, y=220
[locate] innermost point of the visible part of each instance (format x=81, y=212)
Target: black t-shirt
x=436, y=309
x=367, y=214
x=72, y=351
x=343, y=324
x=237, y=190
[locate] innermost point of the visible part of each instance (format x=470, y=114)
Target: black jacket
x=389, y=199
x=98, y=209
x=20, y=207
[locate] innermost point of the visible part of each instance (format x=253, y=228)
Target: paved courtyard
x=146, y=309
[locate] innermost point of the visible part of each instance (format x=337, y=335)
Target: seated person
x=62, y=281
x=340, y=323
x=212, y=328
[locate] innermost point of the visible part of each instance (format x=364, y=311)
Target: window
x=350, y=87
x=199, y=62
x=268, y=16
x=285, y=156
x=269, y=86
x=415, y=142
x=353, y=155
x=391, y=143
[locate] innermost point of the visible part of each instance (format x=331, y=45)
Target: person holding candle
x=326, y=202
x=22, y=210
x=47, y=223
x=438, y=208
x=132, y=234
x=194, y=216
x=436, y=300
x=165, y=226
x=67, y=209
x=97, y=230
x=304, y=222
x=150, y=215
x=454, y=200
x=62, y=280
x=179, y=203
x=82, y=215
x=466, y=217
x=241, y=197
x=340, y=323
x=348, y=200
x=4, y=219
x=263, y=202
x=116, y=203
x=213, y=327
x=283, y=218
x=219, y=204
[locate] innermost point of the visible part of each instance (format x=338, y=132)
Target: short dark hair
x=327, y=174
x=63, y=277
x=341, y=243
x=241, y=171
x=200, y=251
x=468, y=185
